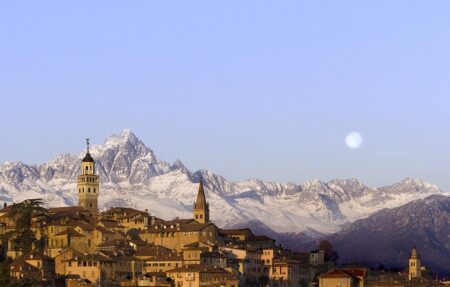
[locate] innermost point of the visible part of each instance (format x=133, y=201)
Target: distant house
x=342, y=278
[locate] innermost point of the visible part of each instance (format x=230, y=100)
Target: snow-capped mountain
x=131, y=175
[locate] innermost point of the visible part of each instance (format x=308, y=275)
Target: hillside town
x=81, y=246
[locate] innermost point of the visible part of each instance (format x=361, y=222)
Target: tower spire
x=201, y=208
x=87, y=144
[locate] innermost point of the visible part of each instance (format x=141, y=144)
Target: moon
x=353, y=140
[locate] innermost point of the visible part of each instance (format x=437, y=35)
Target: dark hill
x=388, y=236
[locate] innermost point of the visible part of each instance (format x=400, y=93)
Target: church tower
x=88, y=184
x=201, y=207
x=414, y=264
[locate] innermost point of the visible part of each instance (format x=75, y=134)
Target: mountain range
x=131, y=175
x=388, y=235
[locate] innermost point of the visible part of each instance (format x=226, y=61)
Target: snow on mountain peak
x=131, y=175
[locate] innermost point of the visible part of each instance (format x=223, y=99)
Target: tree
x=4, y=273
x=23, y=214
x=326, y=247
x=329, y=252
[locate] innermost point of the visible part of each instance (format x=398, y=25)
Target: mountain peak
x=418, y=183
x=126, y=135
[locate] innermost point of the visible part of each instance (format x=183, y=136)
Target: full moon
x=353, y=140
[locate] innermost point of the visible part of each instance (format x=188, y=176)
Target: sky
x=246, y=89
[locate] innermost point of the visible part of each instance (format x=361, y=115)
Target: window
x=94, y=189
x=89, y=189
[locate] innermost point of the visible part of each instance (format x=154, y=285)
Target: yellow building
x=202, y=275
x=41, y=266
x=339, y=278
x=414, y=270
x=249, y=262
x=175, y=234
x=104, y=269
x=127, y=217
x=88, y=184
x=163, y=261
x=285, y=273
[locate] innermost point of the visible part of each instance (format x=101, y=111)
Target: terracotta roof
x=104, y=230
x=113, y=243
x=195, y=226
x=166, y=256
x=196, y=245
x=20, y=265
x=110, y=224
x=213, y=254
x=152, y=251
x=71, y=232
x=262, y=238
x=338, y=273
x=84, y=225
x=125, y=212
x=67, y=209
x=200, y=268
x=90, y=257
x=240, y=231
x=176, y=221
x=359, y=272
x=36, y=256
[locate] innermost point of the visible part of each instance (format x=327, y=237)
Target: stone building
x=414, y=270
x=202, y=275
x=88, y=184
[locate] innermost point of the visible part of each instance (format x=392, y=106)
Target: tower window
x=87, y=168
x=94, y=189
x=89, y=189
x=79, y=190
x=90, y=204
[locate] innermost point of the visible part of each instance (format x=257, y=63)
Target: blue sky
x=247, y=89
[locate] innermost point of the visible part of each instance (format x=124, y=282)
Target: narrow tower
x=414, y=264
x=201, y=207
x=88, y=183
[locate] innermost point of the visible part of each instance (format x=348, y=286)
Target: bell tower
x=414, y=270
x=88, y=184
x=201, y=207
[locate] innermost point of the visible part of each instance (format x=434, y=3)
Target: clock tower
x=88, y=184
